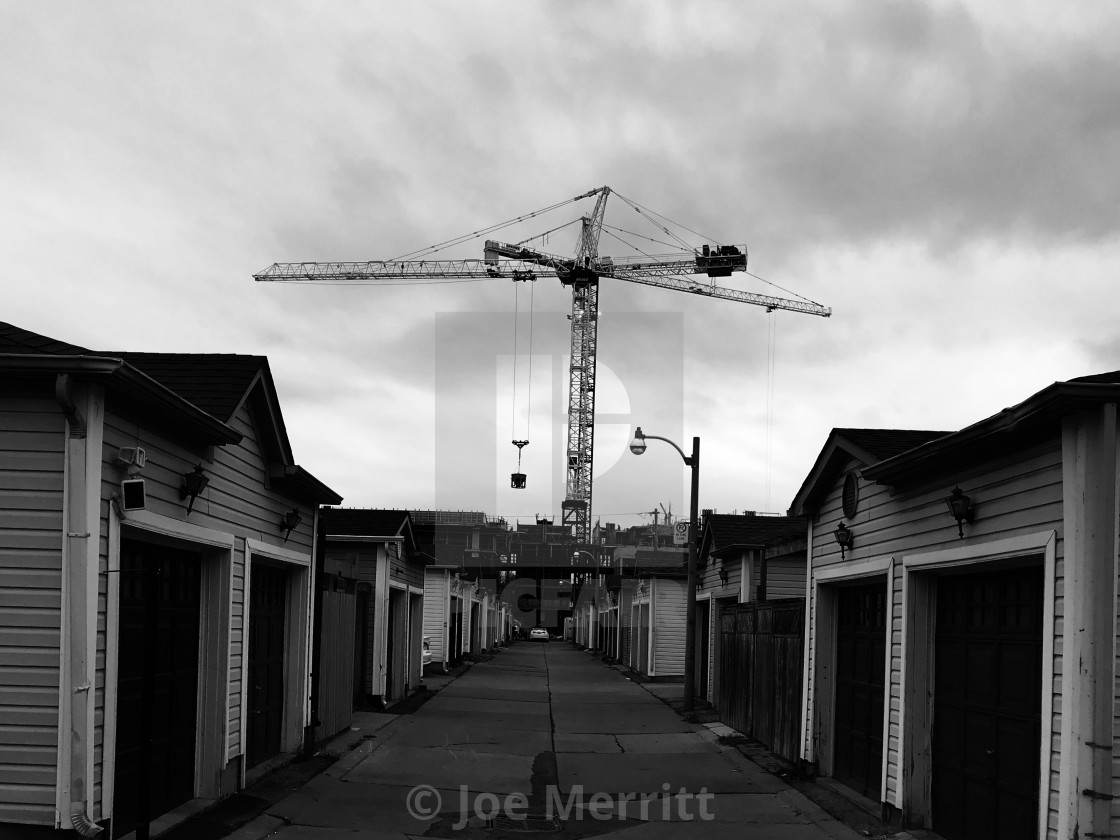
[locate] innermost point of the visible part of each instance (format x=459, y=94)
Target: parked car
x=427, y=657
x=538, y=634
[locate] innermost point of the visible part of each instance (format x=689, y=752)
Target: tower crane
x=581, y=273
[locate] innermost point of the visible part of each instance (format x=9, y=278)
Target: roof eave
x=811, y=489
x=1049, y=404
x=298, y=483
x=127, y=379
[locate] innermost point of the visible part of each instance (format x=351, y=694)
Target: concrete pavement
x=543, y=738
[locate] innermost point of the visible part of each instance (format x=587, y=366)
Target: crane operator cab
x=721, y=260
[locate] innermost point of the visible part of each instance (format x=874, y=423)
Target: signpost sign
x=680, y=533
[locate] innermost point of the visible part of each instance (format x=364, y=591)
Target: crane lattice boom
x=582, y=273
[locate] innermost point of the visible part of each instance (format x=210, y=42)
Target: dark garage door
x=157, y=683
x=268, y=601
x=987, y=705
x=860, y=664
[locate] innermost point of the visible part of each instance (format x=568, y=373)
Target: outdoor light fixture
x=722, y=574
x=193, y=484
x=290, y=522
x=960, y=507
x=844, y=538
x=638, y=444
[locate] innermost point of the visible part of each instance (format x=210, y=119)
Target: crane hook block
x=520, y=443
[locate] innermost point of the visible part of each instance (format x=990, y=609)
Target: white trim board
x=165, y=526
x=285, y=555
x=854, y=570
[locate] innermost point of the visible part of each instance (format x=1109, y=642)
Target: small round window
x=851, y=495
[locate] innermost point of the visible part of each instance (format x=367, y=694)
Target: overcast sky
x=944, y=176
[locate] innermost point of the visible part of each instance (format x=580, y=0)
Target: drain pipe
x=318, y=570
x=80, y=586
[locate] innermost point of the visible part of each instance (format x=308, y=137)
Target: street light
x=638, y=446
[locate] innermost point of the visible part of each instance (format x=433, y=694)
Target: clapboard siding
x=408, y=573
x=1013, y=497
x=625, y=621
x=436, y=607
x=785, y=577
x=710, y=580
x=235, y=501
x=668, y=614
x=32, y=480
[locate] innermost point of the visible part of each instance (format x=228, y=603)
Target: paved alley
x=544, y=738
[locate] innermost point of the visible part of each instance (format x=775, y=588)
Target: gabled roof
x=367, y=525
x=16, y=340
x=896, y=457
x=873, y=445
x=1039, y=414
x=24, y=353
x=198, y=391
x=215, y=382
x=1110, y=378
x=868, y=446
x=732, y=533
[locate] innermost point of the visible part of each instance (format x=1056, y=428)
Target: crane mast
x=582, y=274
x=575, y=510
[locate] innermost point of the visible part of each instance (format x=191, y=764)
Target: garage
x=987, y=704
x=860, y=682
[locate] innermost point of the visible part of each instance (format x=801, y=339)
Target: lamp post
x=638, y=446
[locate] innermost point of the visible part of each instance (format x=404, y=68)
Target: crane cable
x=771, y=360
x=521, y=444
x=466, y=237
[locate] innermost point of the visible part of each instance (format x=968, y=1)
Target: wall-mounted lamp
x=290, y=522
x=960, y=507
x=844, y=538
x=193, y=484
x=722, y=574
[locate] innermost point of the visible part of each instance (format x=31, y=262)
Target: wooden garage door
x=860, y=664
x=268, y=599
x=987, y=705
x=157, y=683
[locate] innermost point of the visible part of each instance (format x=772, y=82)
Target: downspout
x=77, y=682
x=316, y=631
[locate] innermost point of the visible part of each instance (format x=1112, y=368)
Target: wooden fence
x=336, y=654
x=762, y=646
